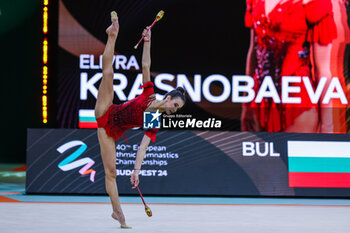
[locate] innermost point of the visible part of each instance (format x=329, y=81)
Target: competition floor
x=50, y=214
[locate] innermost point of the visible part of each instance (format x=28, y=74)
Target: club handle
x=150, y=27
x=141, y=195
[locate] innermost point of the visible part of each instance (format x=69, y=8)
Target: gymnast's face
x=172, y=104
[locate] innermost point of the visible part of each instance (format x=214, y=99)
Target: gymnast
x=114, y=120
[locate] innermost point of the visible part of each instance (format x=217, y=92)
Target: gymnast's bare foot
x=114, y=28
x=121, y=221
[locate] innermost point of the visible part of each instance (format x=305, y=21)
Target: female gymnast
x=289, y=38
x=114, y=120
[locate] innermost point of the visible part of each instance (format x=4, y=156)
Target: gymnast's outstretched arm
x=322, y=61
x=146, y=56
x=134, y=179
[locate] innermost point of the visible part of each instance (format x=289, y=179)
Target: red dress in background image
x=279, y=38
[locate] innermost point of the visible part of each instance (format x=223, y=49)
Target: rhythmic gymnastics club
x=113, y=15
x=158, y=17
x=147, y=209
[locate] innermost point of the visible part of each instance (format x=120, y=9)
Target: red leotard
x=279, y=37
x=119, y=118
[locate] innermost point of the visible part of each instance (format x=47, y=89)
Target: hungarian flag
x=87, y=118
x=319, y=164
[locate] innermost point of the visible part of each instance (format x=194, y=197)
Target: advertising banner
x=250, y=70
x=183, y=162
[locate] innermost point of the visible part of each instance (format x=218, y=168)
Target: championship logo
x=70, y=162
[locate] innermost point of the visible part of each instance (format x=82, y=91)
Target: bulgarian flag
x=319, y=164
x=87, y=118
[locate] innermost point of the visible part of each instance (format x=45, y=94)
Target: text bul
x=260, y=149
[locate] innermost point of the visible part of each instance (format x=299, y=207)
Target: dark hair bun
x=181, y=89
x=178, y=92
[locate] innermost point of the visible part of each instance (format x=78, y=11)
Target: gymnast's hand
x=147, y=34
x=249, y=122
x=134, y=178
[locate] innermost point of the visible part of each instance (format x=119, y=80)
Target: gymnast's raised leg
x=104, y=101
